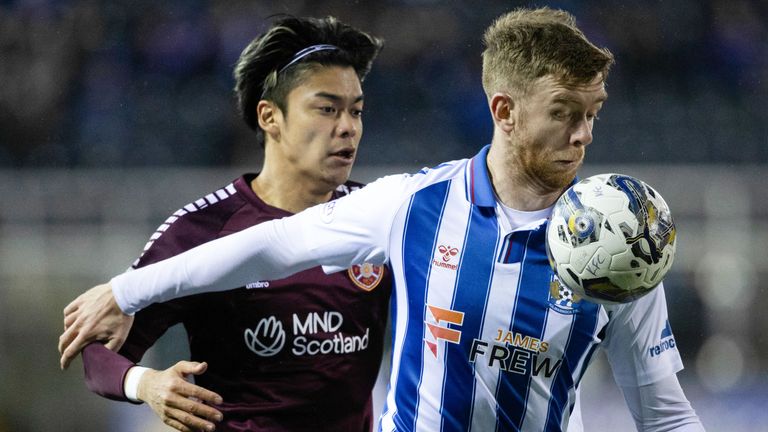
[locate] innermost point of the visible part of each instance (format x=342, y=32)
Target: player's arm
x=661, y=406
x=179, y=403
x=352, y=229
x=644, y=359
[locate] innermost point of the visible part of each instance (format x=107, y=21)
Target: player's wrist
x=132, y=383
x=118, y=297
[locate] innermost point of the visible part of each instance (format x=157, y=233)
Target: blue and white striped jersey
x=483, y=340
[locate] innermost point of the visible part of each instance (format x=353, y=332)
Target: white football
x=611, y=239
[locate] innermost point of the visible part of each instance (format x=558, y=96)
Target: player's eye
x=327, y=109
x=357, y=113
x=559, y=115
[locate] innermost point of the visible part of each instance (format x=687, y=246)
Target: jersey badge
x=562, y=299
x=366, y=276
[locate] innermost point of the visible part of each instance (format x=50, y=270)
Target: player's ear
x=268, y=115
x=502, y=106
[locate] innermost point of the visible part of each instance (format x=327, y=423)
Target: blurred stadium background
x=113, y=114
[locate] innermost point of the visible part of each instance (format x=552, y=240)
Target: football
x=611, y=239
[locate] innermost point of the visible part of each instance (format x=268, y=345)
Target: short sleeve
x=639, y=342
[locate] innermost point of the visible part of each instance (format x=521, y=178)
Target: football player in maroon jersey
x=301, y=353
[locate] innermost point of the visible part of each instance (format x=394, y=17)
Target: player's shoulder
x=197, y=222
x=219, y=204
x=399, y=187
x=425, y=177
x=444, y=171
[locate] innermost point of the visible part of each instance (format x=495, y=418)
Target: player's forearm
x=662, y=407
x=270, y=250
x=105, y=371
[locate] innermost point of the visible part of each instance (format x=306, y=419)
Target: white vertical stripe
x=231, y=189
x=190, y=208
x=557, y=332
x=440, y=293
x=501, y=302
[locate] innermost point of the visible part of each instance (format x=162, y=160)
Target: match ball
x=611, y=239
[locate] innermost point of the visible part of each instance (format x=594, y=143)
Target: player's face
x=322, y=127
x=554, y=126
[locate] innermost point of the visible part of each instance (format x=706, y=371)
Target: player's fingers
x=66, y=338
x=72, y=350
x=72, y=306
x=186, y=368
x=189, y=390
x=187, y=419
x=69, y=320
x=115, y=342
x=176, y=424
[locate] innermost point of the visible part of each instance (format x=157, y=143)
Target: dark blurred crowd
x=147, y=83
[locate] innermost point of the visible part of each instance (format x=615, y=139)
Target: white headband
x=305, y=52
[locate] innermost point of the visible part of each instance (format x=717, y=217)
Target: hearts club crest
x=366, y=276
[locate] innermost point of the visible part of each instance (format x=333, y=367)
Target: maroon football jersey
x=295, y=354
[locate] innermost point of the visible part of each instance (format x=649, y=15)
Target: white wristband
x=131, y=383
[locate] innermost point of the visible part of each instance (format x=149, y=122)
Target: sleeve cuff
x=120, y=299
x=131, y=383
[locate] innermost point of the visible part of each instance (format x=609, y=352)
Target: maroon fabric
x=332, y=333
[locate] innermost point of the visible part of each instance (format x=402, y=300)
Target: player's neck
x=511, y=185
x=288, y=190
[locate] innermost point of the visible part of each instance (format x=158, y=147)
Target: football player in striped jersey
x=292, y=354
x=483, y=339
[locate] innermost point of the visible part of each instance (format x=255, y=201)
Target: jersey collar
x=478, y=183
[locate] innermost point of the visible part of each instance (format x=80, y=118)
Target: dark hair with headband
x=275, y=62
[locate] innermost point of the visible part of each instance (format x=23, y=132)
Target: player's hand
x=93, y=316
x=179, y=403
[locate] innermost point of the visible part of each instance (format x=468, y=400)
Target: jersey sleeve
x=350, y=230
x=104, y=369
x=661, y=406
x=356, y=228
x=639, y=343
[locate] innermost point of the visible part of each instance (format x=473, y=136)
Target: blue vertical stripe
x=515, y=248
x=471, y=296
x=529, y=319
x=580, y=344
x=419, y=238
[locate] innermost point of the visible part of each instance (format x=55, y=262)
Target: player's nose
x=348, y=125
x=582, y=133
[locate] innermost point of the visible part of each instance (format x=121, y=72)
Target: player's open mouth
x=346, y=154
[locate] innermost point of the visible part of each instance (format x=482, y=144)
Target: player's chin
x=339, y=175
x=559, y=179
